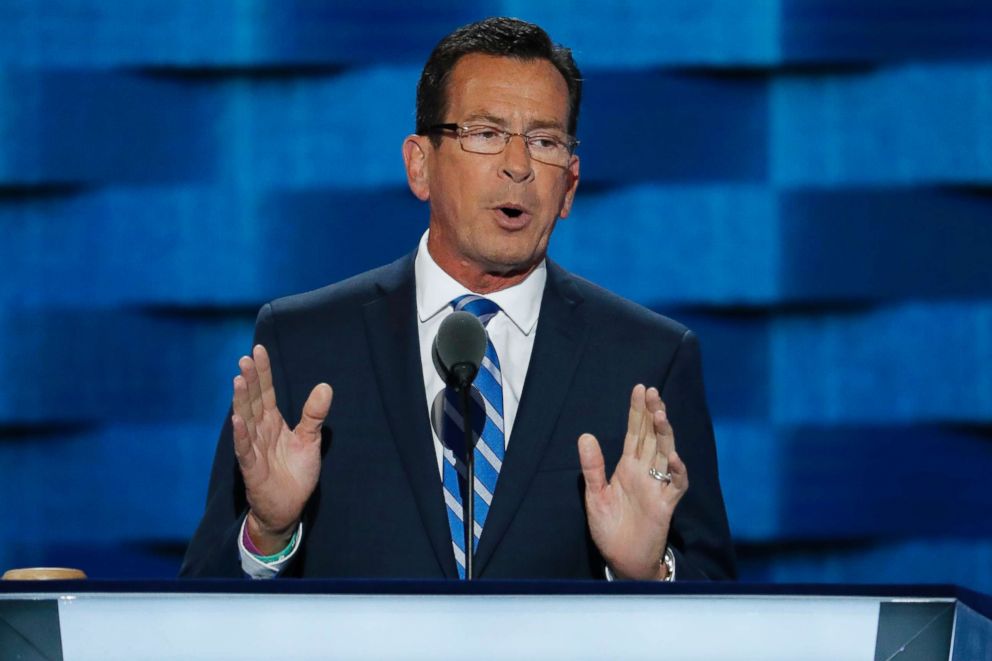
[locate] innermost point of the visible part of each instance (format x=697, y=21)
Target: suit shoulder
x=608, y=307
x=352, y=292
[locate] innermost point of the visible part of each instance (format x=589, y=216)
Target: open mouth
x=511, y=212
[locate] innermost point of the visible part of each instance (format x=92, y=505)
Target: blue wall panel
x=91, y=366
x=661, y=126
x=196, y=246
x=640, y=35
x=877, y=245
x=901, y=126
x=835, y=31
x=319, y=130
x=817, y=484
x=747, y=245
x=952, y=560
x=224, y=33
x=87, y=492
x=251, y=131
x=876, y=482
x=106, y=493
x=805, y=183
x=750, y=469
x=92, y=127
x=668, y=244
x=910, y=364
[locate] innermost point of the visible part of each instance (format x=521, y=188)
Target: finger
x=634, y=415
x=664, y=433
x=646, y=429
x=242, y=443
x=652, y=399
x=660, y=463
x=659, y=459
x=593, y=465
x=264, y=368
x=314, y=412
x=248, y=371
x=649, y=442
x=242, y=404
x=680, y=475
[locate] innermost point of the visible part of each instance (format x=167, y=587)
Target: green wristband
x=276, y=557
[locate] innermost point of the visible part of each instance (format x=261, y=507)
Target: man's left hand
x=630, y=516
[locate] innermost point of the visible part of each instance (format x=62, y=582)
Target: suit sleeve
x=213, y=551
x=700, y=536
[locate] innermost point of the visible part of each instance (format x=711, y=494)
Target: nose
x=517, y=163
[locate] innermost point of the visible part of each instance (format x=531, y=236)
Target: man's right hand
x=280, y=465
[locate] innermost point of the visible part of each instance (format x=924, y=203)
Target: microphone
x=458, y=350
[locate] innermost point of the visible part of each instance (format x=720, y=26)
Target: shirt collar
x=436, y=289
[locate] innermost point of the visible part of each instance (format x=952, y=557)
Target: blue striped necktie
x=486, y=409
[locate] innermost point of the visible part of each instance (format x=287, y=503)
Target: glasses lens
x=543, y=147
x=547, y=149
x=482, y=140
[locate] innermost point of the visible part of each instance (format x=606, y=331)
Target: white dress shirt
x=512, y=332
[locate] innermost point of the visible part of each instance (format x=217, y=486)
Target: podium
x=306, y=619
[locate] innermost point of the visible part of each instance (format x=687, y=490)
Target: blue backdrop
x=808, y=184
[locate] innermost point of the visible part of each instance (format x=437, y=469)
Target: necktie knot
x=481, y=307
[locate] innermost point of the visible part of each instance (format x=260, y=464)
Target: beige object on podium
x=43, y=574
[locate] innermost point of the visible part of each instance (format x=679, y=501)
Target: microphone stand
x=464, y=374
x=469, y=509
x=461, y=343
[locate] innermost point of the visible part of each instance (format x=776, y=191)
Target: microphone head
x=459, y=348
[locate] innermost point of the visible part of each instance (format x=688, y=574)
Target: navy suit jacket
x=378, y=510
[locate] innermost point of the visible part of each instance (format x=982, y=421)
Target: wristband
x=268, y=559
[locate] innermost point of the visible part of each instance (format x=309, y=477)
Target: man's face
x=492, y=214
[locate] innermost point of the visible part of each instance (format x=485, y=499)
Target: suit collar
x=557, y=349
x=390, y=320
x=391, y=327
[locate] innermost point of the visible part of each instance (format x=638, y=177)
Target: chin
x=508, y=262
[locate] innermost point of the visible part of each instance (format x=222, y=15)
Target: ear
x=416, y=150
x=573, y=183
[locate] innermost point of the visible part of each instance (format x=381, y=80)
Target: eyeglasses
x=545, y=146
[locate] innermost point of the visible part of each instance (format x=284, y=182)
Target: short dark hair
x=499, y=36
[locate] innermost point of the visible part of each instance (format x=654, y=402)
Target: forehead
x=521, y=92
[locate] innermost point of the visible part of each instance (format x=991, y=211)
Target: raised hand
x=280, y=465
x=630, y=515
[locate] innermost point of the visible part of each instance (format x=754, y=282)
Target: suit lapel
x=557, y=347
x=391, y=324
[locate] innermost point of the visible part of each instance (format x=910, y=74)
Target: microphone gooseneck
x=458, y=350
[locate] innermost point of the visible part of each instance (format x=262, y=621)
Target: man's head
x=493, y=209
x=500, y=37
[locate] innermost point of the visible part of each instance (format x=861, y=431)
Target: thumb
x=593, y=466
x=314, y=412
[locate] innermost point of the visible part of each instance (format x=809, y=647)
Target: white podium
x=426, y=620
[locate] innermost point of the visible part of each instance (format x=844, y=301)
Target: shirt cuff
x=667, y=559
x=259, y=566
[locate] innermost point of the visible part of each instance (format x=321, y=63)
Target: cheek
x=459, y=190
x=556, y=197
x=445, y=200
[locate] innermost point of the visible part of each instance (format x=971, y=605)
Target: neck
x=475, y=277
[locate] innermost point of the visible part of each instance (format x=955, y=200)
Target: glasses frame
x=460, y=129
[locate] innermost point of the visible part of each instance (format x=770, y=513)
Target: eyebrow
x=502, y=123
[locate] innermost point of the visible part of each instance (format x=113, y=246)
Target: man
x=370, y=487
